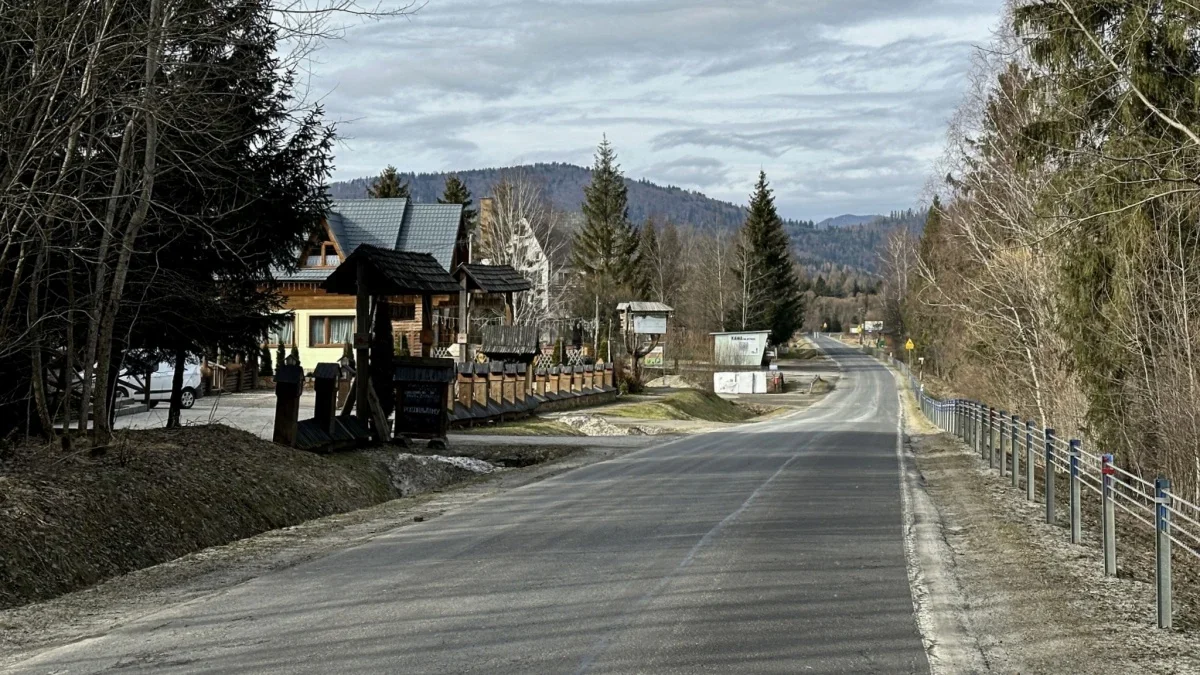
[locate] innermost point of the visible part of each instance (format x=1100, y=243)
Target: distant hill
x=563, y=185
x=847, y=220
x=848, y=240
x=857, y=245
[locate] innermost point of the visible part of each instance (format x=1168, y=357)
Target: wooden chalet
x=323, y=323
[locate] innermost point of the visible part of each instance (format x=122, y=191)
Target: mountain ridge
x=563, y=185
x=853, y=240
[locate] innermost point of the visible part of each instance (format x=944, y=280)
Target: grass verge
x=71, y=521
x=532, y=426
x=684, y=405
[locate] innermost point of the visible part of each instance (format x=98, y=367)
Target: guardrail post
x=992, y=424
x=1029, y=487
x=1076, y=529
x=1108, y=515
x=980, y=424
x=1014, y=424
x=1000, y=424
x=996, y=437
x=1049, y=476
x=1162, y=549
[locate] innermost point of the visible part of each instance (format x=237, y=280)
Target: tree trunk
x=35, y=347
x=177, y=390
x=102, y=430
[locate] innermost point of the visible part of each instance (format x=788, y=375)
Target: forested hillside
x=1060, y=276
x=563, y=185
x=838, y=241
x=857, y=246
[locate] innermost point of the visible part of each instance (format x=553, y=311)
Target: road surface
x=776, y=547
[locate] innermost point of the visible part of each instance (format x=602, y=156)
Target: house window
x=322, y=255
x=330, y=331
x=404, y=312
x=284, y=333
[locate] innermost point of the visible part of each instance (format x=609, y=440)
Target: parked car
x=131, y=384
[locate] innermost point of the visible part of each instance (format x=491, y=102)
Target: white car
x=132, y=386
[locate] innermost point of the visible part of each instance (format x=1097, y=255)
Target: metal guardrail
x=1016, y=449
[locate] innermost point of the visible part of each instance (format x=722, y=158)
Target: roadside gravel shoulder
x=29, y=629
x=1032, y=601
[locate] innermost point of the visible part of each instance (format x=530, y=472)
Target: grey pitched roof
x=639, y=307
x=377, y=222
x=510, y=340
x=391, y=272
x=394, y=224
x=493, y=278
x=433, y=229
x=303, y=274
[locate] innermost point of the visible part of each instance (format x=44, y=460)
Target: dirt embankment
x=69, y=522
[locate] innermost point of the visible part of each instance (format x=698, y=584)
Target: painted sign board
x=655, y=358
x=740, y=383
x=909, y=345
x=422, y=390
x=740, y=349
x=650, y=324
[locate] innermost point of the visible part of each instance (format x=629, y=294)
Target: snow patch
x=595, y=426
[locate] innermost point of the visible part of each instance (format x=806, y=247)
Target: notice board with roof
x=746, y=349
x=422, y=392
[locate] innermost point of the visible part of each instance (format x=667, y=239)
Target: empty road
x=776, y=547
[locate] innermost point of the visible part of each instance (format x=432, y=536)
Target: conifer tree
x=389, y=186
x=605, y=250
x=769, y=289
x=456, y=192
x=649, y=257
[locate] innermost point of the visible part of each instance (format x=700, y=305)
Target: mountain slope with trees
x=846, y=240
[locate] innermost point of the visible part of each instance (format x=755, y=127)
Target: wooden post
x=495, y=383
x=508, y=308
x=461, y=338
x=362, y=345
x=289, y=383
x=426, y=325
x=325, y=381
x=479, y=385
x=466, y=385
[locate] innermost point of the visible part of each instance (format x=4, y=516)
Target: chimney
x=487, y=222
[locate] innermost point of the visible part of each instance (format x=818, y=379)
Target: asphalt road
x=776, y=547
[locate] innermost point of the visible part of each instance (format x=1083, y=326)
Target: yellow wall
x=311, y=356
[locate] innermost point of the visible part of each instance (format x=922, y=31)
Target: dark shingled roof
x=391, y=273
x=493, y=278
x=510, y=340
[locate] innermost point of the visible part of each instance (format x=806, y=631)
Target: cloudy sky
x=843, y=102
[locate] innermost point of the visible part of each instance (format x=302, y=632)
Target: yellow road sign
x=909, y=345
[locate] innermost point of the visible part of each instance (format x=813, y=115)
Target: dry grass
x=72, y=521
x=684, y=405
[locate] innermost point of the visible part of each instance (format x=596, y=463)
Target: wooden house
x=323, y=323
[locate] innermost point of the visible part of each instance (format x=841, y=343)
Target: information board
x=422, y=391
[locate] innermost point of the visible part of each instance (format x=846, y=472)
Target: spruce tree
x=265, y=367
x=605, y=250
x=389, y=186
x=766, y=276
x=670, y=272
x=456, y=192
x=649, y=257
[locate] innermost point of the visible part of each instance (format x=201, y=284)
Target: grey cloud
x=689, y=172
x=474, y=82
